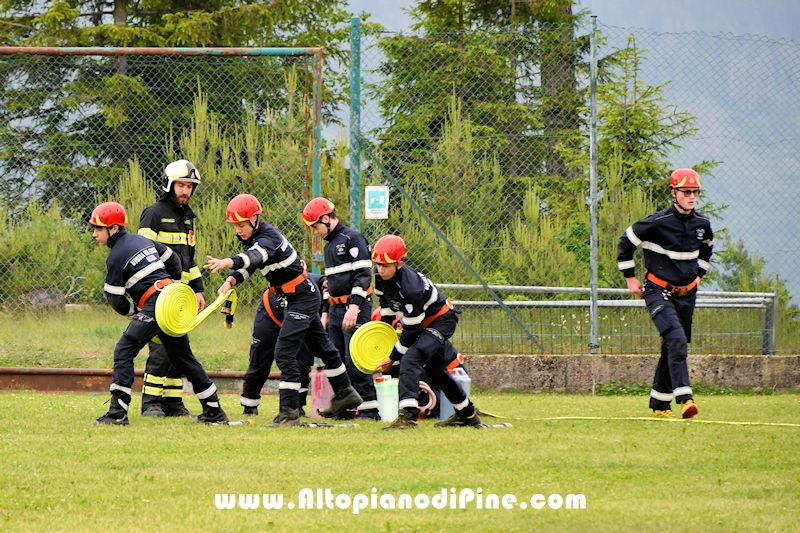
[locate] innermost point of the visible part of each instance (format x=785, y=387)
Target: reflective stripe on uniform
x=682, y=391
x=348, y=267
x=207, y=393
x=660, y=396
x=249, y=402
x=173, y=387
x=333, y=372
x=171, y=238
x=408, y=402
x=114, y=386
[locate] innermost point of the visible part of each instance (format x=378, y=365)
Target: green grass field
x=60, y=474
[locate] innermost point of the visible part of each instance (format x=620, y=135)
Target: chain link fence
x=488, y=135
x=483, y=140
x=83, y=126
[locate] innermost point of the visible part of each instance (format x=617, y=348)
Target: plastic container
x=388, y=397
x=321, y=391
x=446, y=409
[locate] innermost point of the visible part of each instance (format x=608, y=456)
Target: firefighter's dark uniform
x=677, y=249
x=348, y=269
x=268, y=251
x=170, y=224
x=135, y=264
x=266, y=327
x=429, y=321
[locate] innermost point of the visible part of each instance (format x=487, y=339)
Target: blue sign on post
x=376, y=202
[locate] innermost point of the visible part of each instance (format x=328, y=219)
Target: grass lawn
x=60, y=474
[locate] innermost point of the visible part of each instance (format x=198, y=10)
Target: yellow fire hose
x=176, y=309
x=371, y=344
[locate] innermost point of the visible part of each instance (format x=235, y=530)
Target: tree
x=512, y=66
x=72, y=124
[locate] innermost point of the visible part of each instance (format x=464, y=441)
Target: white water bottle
x=388, y=397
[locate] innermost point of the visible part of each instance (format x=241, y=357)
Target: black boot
x=117, y=414
x=404, y=420
x=250, y=410
x=342, y=400
x=174, y=407
x=286, y=417
x=466, y=417
x=212, y=414
x=151, y=406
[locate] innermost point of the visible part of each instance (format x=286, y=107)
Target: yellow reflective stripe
x=173, y=382
x=152, y=391
x=154, y=380
x=147, y=232
x=173, y=237
x=173, y=393
x=193, y=273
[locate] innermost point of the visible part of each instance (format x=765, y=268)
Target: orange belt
x=677, y=291
x=289, y=286
x=455, y=362
x=339, y=300
x=268, y=307
x=445, y=308
x=157, y=286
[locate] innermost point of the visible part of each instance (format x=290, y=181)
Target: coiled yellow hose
x=372, y=344
x=176, y=309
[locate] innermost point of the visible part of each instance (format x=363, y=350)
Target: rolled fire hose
x=372, y=344
x=176, y=309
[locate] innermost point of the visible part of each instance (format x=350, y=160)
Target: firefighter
x=267, y=326
x=348, y=270
x=677, y=244
x=267, y=250
x=429, y=321
x=138, y=268
x=170, y=221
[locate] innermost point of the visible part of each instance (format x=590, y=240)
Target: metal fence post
x=355, y=123
x=593, y=328
x=769, y=326
x=317, y=259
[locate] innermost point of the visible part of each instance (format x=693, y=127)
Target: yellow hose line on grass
x=651, y=419
x=176, y=309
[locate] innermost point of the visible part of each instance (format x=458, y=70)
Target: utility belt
x=268, y=309
x=156, y=287
x=673, y=289
x=448, y=305
x=290, y=286
x=341, y=300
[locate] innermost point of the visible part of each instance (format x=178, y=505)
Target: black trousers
x=262, y=355
x=429, y=353
x=301, y=323
x=140, y=331
x=363, y=383
x=672, y=316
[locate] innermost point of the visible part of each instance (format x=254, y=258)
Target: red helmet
x=242, y=207
x=389, y=249
x=316, y=209
x=684, y=177
x=108, y=214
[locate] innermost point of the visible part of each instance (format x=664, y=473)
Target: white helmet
x=180, y=170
